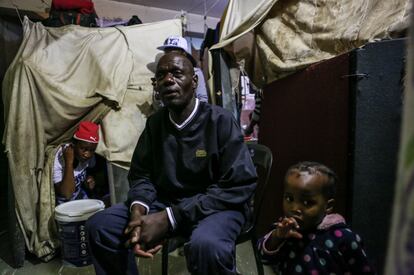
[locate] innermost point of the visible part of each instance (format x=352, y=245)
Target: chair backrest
x=263, y=159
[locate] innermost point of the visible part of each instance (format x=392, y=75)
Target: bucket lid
x=78, y=209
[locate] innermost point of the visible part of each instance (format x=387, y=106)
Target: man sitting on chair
x=190, y=175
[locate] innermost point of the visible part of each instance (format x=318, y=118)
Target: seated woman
x=72, y=161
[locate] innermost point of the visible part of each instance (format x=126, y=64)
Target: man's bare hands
x=154, y=228
x=133, y=228
x=146, y=232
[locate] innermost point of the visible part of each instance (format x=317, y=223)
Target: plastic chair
x=262, y=158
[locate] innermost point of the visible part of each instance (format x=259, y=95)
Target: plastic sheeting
x=289, y=35
x=59, y=77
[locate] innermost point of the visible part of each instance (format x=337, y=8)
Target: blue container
x=71, y=217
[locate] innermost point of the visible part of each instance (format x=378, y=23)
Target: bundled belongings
x=67, y=12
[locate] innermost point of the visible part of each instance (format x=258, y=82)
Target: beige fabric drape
x=291, y=34
x=59, y=77
x=241, y=17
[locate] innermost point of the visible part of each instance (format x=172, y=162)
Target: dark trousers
x=210, y=249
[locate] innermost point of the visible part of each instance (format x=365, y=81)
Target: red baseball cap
x=87, y=131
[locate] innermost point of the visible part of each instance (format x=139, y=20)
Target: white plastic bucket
x=71, y=217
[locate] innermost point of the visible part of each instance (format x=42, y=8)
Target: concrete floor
x=245, y=263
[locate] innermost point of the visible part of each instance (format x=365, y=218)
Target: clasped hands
x=146, y=232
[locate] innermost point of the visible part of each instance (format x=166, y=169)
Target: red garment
x=83, y=6
x=87, y=131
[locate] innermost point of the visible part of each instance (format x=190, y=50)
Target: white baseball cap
x=178, y=42
x=175, y=42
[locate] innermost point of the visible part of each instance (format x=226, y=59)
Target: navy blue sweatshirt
x=199, y=170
